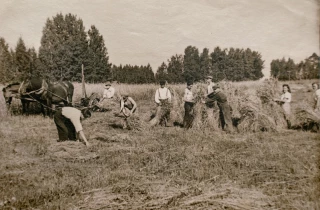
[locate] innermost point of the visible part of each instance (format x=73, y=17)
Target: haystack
x=176, y=110
x=305, y=117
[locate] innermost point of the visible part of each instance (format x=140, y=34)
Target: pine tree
x=99, y=68
x=205, y=64
x=191, y=64
x=162, y=72
x=64, y=48
x=6, y=68
x=175, y=69
x=22, y=60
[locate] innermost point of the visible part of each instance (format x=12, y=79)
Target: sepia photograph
x=146, y=104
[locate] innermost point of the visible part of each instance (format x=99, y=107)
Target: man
x=127, y=107
x=68, y=122
x=188, y=105
x=107, y=98
x=163, y=100
x=225, y=111
x=210, y=84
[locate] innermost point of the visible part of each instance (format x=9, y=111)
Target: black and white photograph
x=146, y=104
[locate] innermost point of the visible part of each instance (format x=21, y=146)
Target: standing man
x=163, y=101
x=68, y=122
x=225, y=111
x=210, y=84
x=188, y=105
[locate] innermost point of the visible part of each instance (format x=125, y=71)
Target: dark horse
x=12, y=91
x=47, y=93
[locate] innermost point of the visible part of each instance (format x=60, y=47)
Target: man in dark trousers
x=68, y=122
x=225, y=111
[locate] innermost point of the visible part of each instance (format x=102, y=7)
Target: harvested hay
x=305, y=118
x=162, y=112
x=134, y=122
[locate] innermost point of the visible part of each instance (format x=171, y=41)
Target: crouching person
x=127, y=107
x=68, y=122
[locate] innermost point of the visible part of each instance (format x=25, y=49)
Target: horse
x=48, y=94
x=12, y=90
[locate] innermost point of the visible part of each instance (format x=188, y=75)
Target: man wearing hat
x=68, y=123
x=225, y=110
x=163, y=100
x=188, y=105
x=108, y=95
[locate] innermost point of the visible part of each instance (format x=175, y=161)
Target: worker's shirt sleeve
x=156, y=96
x=105, y=92
x=112, y=91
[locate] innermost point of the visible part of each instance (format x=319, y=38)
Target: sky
x=139, y=32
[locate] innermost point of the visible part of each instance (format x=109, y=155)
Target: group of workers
x=68, y=119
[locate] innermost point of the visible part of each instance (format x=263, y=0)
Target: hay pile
x=251, y=110
x=176, y=114
x=305, y=118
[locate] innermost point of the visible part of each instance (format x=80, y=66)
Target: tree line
x=231, y=64
x=287, y=70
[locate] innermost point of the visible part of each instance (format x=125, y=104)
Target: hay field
x=156, y=168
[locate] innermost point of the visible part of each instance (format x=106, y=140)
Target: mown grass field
x=156, y=168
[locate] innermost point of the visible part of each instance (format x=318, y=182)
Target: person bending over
x=68, y=123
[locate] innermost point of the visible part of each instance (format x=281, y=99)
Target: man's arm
x=133, y=103
x=121, y=105
x=83, y=137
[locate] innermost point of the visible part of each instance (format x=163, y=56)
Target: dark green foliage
x=6, y=69
x=205, y=64
x=233, y=65
x=133, y=74
x=287, y=70
x=191, y=64
x=310, y=68
x=98, y=66
x=162, y=72
x=175, y=69
x=22, y=60
x=283, y=69
x=64, y=48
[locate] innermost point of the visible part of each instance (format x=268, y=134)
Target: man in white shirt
x=163, y=100
x=68, y=122
x=107, y=98
x=210, y=85
x=188, y=105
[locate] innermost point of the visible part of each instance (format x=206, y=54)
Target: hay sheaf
x=251, y=111
x=305, y=117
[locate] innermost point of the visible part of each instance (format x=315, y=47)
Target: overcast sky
x=151, y=31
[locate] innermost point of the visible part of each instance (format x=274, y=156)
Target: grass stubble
x=158, y=168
